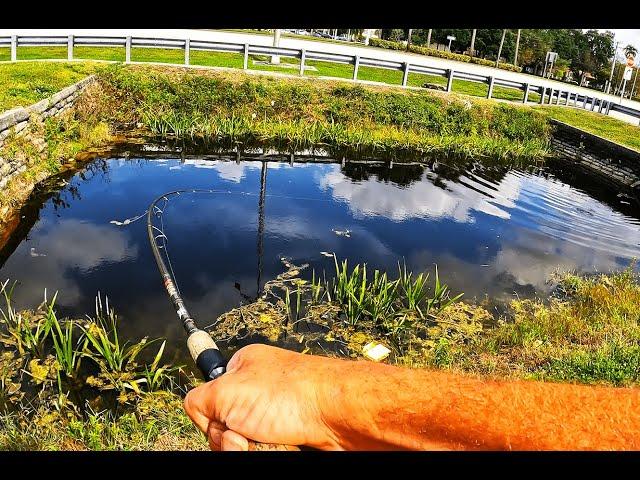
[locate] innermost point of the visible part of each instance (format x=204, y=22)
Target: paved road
x=346, y=48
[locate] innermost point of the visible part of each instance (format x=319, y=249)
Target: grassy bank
x=602, y=125
x=72, y=385
x=297, y=114
x=23, y=84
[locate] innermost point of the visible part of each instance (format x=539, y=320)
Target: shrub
x=432, y=52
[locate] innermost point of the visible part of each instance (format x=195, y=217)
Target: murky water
x=492, y=231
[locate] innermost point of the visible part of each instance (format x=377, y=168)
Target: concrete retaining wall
x=598, y=155
x=15, y=121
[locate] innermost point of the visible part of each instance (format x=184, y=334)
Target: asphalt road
x=343, y=48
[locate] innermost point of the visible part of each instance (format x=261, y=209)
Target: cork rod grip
x=212, y=364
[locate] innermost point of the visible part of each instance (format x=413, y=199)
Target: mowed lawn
x=25, y=83
x=260, y=62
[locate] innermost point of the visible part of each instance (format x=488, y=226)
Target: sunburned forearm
x=377, y=407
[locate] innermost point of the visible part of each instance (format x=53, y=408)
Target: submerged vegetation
x=72, y=384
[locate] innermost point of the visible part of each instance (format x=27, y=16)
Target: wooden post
x=187, y=51
x=70, y=48
x=593, y=104
x=450, y=80
x=526, y=93
x=356, y=65
x=245, y=64
x=543, y=92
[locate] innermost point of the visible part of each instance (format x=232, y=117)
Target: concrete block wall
x=598, y=155
x=15, y=121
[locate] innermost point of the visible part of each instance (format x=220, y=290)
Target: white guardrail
x=548, y=95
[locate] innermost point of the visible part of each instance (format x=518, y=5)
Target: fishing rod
x=202, y=348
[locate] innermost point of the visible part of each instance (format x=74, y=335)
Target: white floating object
x=326, y=254
x=375, y=351
x=342, y=233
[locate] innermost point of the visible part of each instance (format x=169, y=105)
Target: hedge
x=432, y=52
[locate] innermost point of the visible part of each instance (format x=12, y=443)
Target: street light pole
x=613, y=65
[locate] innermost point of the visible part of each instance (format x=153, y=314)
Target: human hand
x=269, y=395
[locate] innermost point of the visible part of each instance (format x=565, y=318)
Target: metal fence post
x=70, y=47
x=405, y=74
x=584, y=102
x=14, y=48
x=245, y=65
x=543, y=92
x=303, y=55
x=490, y=91
x=356, y=65
x=608, y=107
x=127, y=47
x=450, y=80
x=593, y=104
x=601, y=106
x=526, y=93
x=187, y=51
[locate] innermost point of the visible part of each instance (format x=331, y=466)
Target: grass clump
x=73, y=385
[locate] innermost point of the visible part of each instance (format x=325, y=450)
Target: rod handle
x=212, y=364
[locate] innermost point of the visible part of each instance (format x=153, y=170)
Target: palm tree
x=504, y=32
x=473, y=41
x=630, y=51
x=515, y=57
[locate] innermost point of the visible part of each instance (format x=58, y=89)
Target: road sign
x=628, y=71
x=552, y=57
x=450, y=37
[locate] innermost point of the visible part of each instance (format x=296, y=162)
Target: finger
x=214, y=435
x=195, y=404
x=234, y=442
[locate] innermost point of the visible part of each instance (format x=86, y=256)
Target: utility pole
x=473, y=42
x=613, y=65
x=504, y=32
x=429, y=39
x=515, y=57
x=275, y=59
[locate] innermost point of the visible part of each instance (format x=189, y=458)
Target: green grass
x=234, y=60
x=292, y=114
x=598, y=124
x=22, y=84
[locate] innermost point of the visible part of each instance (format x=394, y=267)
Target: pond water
x=493, y=231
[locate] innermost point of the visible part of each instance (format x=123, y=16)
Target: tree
x=504, y=32
x=515, y=57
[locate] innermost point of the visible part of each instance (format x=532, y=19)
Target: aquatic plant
x=24, y=331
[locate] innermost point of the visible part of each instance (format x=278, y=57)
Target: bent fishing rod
x=202, y=348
